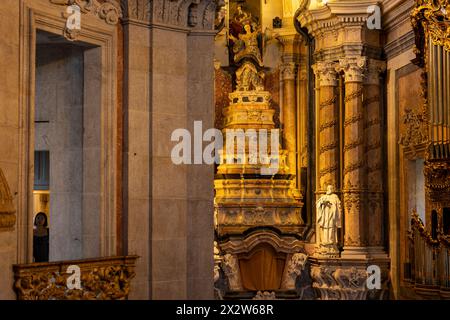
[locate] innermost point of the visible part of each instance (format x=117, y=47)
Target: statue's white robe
x=329, y=218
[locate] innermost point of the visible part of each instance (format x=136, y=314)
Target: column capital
x=353, y=68
x=326, y=73
x=288, y=70
x=374, y=69
x=291, y=43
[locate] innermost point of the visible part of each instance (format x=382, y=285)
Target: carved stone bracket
x=295, y=266
x=230, y=266
x=7, y=210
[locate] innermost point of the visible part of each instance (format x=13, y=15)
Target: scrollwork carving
x=431, y=19
x=415, y=129
x=105, y=279
x=108, y=10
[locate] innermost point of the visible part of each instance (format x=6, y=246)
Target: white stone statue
x=329, y=219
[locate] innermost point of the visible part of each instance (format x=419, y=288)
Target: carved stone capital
x=353, y=68
x=374, y=69
x=289, y=70
x=326, y=73
x=137, y=10
x=198, y=14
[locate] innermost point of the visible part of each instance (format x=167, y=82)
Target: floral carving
x=102, y=279
x=415, y=129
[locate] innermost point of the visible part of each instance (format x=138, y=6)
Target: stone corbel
x=230, y=266
x=7, y=210
x=295, y=266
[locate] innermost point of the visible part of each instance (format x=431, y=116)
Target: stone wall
x=10, y=125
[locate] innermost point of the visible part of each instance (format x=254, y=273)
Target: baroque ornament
x=431, y=19
x=295, y=267
x=108, y=10
x=415, y=129
x=104, y=279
